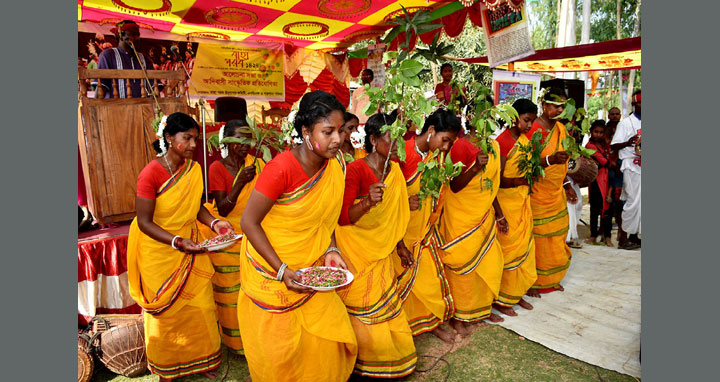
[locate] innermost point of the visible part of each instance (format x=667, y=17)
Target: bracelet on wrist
x=228, y=200
x=212, y=224
x=331, y=249
x=172, y=242
x=501, y=219
x=281, y=271
x=547, y=160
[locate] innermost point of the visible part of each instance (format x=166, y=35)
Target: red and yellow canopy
x=313, y=24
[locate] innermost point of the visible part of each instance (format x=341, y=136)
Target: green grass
x=490, y=353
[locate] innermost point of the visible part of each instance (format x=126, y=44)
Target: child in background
x=598, y=190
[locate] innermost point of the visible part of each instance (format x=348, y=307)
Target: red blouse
x=535, y=127
x=150, y=180
x=358, y=179
x=506, y=142
x=412, y=158
x=219, y=178
x=464, y=151
x=282, y=174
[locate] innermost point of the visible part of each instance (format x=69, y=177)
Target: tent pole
x=204, y=155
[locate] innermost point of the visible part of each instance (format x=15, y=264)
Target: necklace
x=417, y=150
x=168, y=167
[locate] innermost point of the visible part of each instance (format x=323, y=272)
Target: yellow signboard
x=251, y=73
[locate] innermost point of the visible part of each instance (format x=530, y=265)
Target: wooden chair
x=115, y=136
x=275, y=114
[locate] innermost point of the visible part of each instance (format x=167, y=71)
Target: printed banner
x=251, y=73
x=376, y=64
x=511, y=86
x=506, y=34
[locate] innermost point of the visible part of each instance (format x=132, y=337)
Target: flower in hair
x=223, y=147
x=159, y=132
x=357, y=138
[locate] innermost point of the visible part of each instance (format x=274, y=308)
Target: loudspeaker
x=229, y=108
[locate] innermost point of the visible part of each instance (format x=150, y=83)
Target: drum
x=122, y=349
x=582, y=170
x=85, y=359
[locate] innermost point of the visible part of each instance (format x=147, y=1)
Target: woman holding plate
x=231, y=180
x=169, y=275
x=373, y=221
x=290, y=332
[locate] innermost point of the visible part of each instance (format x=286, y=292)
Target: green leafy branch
x=261, y=138
x=435, y=174
x=530, y=160
x=578, y=122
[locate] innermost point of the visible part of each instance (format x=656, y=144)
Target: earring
x=428, y=138
x=307, y=141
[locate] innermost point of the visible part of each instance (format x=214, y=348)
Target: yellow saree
x=550, y=217
x=226, y=280
x=174, y=288
x=291, y=336
x=518, y=245
x=469, y=247
x=385, y=344
x=424, y=289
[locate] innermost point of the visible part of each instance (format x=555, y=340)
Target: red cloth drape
x=341, y=92
x=295, y=87
x=475, y=15
x=357, y=65
x=454, y=22
x=427, y=38
x=400, y=39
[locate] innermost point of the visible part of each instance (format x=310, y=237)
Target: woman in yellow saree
x=169, y=275
x=548, y=198
x=372, y=224
x=518, y=244
x=470, y=250
x=231, y=180
x=290, y=332
x=424, y=288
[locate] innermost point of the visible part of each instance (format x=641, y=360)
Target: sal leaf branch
x=578, y=125
x=530, y=160
x=260, y=137
x=436, y=173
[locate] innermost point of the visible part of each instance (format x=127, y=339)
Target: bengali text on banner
x=251, y=73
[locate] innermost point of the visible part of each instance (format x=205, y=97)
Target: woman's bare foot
x=506, y=310
x=445, y=335
x=525, y=305
x=495, y=318
x=212, y=374
x=591, y=240
x=608, y=242
x=459, y=327
x=533, y=293
x=560, y=288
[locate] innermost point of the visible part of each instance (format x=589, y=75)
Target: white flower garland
x=357, y=138
x=290, y=135
x=160, y=135
x=463, y=120
x=223, y=147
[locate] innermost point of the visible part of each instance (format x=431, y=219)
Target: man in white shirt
x=624, y=141
x=359, y=97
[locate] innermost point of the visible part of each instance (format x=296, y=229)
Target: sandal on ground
x=628, y=245
x=574, y=244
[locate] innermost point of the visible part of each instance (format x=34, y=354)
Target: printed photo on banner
x=511, y=86
x=376, y=64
